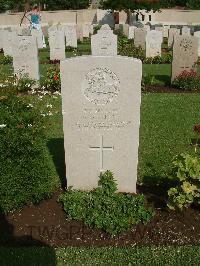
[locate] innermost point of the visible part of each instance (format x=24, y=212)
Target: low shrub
x=186, y=171
x=127, y=48
x=187, y=80
x=164, y=59
x=24, y=83
x=52, y=81
x=6, y=60
x=25, y=173
x=147, y=80
x=105, y=209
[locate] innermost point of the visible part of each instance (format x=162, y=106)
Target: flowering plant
x=187, y=80
x=52, y=80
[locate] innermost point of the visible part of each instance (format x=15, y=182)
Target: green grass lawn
x=166, y=130
x=147, y=256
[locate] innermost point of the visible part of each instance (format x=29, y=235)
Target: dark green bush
x=164, y=59
x=127, y=48
x=25, y=173
x=193, y=4
x=147, y=80
x=105, y=209
x=187, y=80
x=6, y=60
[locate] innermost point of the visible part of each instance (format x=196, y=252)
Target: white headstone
x=101, y=117
x=197, y=34
x=1, y=38
x=104, y=42
x=9, y=37
x=131, y=33
x=86, y=30
x=166, y=31
x=172, y=33
x=140, y=37
x=25, y=57
x=153, y=43
x=186, y=31
x=57, y=44
x=185, y=54
x=126, y=29
x=71, y=36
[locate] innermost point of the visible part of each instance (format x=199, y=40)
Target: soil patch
x=47, y=224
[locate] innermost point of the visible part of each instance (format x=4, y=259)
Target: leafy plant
x=164, y=59
x=24, y=83
x=25, y=173
x=148, y=80
x=105, y=209
x=52, y=80
x=186, y=171
x=187, y=80
x=127, y=48
x=6, y=60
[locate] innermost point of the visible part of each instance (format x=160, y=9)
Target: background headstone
x=57, y=44
x=154, y=40
x=140, y=37
x=101, y=117
x=185, y=31
x=39, y=37
x=104, y=42
x=9, y=37
x=71, y=36
x=131, y=32
x=185, y=54
x=25, y=57
x=172, y=33
x=197, y=34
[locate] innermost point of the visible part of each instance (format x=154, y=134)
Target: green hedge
x=25, y=173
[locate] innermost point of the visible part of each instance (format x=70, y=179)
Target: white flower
x=30, y=105
x=2, y=126
x=57, y=93
x=49, y=105
x=30, y=125
x=50, y=113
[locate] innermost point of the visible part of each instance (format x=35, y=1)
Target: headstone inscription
x=104, y=42
x=25, y=57
x=101, y=116
x=185, y=54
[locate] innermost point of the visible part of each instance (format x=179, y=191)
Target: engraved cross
x=101, y=148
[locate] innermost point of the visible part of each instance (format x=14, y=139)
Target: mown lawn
x=166, y=130
x=147, y=256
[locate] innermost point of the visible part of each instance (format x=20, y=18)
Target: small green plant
x=148, y=80
x=24, y=83
x=52, y=80
x=186, y=171
x=164, y=59
x=127, y=48
x=187, y=80
x=6, y=60
x=105, y=209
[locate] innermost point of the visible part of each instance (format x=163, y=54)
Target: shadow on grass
x=14, y=251
x=164, y=79
x=56, y=148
